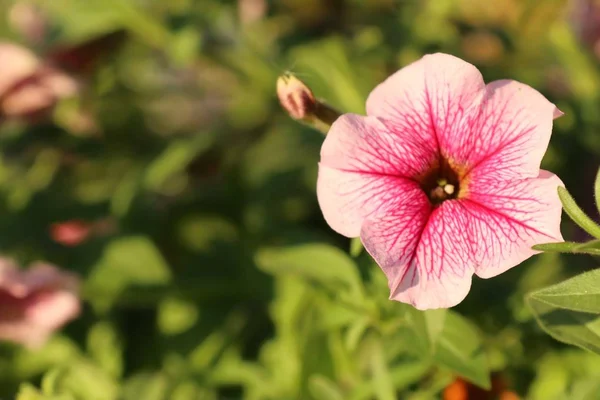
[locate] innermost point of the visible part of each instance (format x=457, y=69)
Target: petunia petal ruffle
x=429, y=264
x=508, y=136
x=368, y=144
x=511, y=217
x=347, y=198
x=425, y=260
x=429, y=97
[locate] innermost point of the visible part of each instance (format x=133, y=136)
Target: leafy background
x=220, y=278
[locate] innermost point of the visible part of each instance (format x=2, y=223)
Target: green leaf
x=60, y=350
x=322, y=388
x=104, y=346
x=434, y=322
x=324, y=264
x=422, y=329
x=581, y=293
x=597, y=190
x=200, y=232
x=568, y=326
x=174, y=159
x=561, y=247
x=592, y=247
x=382, y=379
x=577, y=214
x=403, y=374
x=147, y=386
x=84, y=380
x=459, y=349
x=208, y=351
x=29, y=392
x=176, y=316
x=129, y=261
x=356, y=247
x=570, y=310
x=585, y=389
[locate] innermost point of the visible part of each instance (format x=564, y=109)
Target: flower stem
x=597, y=190
x=577, y=214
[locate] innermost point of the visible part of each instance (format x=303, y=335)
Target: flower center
x=441, y=183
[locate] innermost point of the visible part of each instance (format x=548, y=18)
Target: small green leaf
x=560, y=247
x=435, y=320
x=355, y=332
x=174, y=159
x=84, y=380
x=356, y=247
x=129, y=261
x=592, y=248
x=50, y=380
x=147, y=386
x=581, y=293
x=176, y=315
x=322, y=388
x=570, y=310
x=104, y=346
x=208, y=351
x=577, y=214
x=403, y=374
x=325, y=264
x=573, y=327
x=29, y=392
x=585, y=389
x=382, y=379
x=459, y=349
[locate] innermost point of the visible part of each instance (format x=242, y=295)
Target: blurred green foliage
x=220, y=279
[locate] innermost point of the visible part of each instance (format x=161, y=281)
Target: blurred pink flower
x=74, y=232
x=442, y=179
x=250, y=11
x=71, y=233
x=35, y=302
x=585, y=21
x=30, y=88
x=29, y=21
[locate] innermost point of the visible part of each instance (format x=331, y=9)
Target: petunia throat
x=441, y=183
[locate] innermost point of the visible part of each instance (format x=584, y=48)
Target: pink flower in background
x=442, y=179
x=35, y=302
x=29, y=20
x=71, y=233
x=584, y=17
x=30, y=88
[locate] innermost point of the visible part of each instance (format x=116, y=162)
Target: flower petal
x=509, y=218
x=346, y=198
x=367, y=144
x=434, y=272
x=509, y=136
x=35, y=302
x=16, y=64
x=487, y=234
x=429, y=98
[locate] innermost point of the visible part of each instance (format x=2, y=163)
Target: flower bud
x=300, y=104
x=295, y=97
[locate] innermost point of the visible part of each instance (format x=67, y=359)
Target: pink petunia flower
x=30, y=88
x=35, y=302
x=29, y=20
x=442, y=179
x=71, y=233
